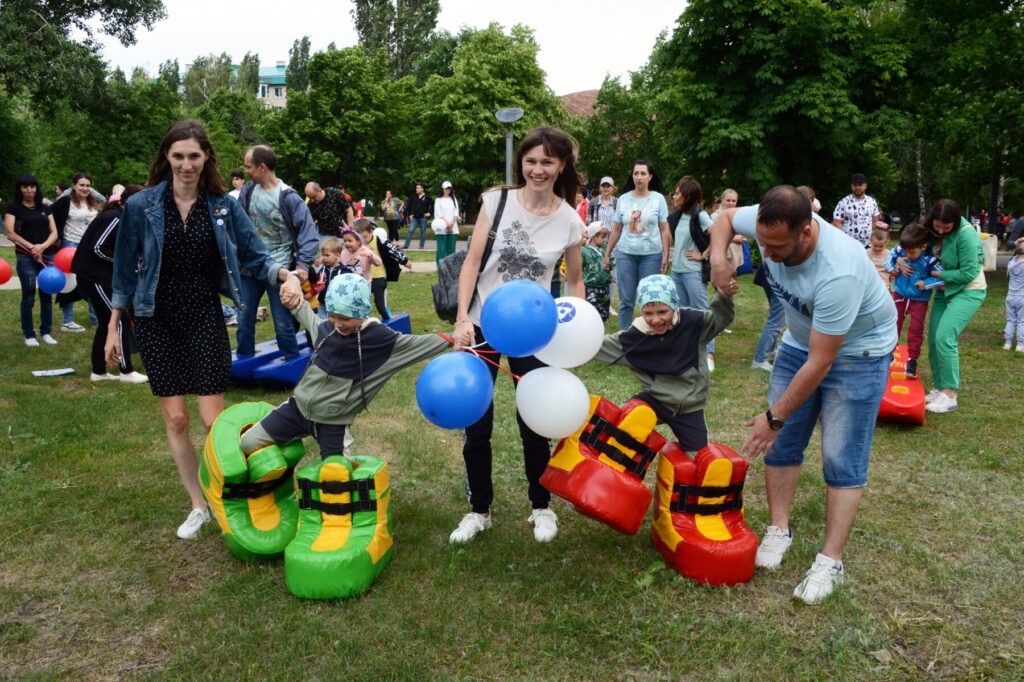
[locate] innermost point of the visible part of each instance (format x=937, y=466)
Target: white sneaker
x=102, y=377
x=47, y=339
x=942, y=404
x=545, y=525
x=1007, y=345
x=764, y=364
x=72, y=327
x=820, y=580
x=133, y=378
x=711, y=363
x=32, y=343
x=773, y=547
x=470, y=525
x=197, y=518
x=932, y=395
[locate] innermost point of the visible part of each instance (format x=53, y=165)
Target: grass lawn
x=95, y=585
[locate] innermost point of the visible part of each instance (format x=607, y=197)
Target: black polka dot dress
x=185, y=344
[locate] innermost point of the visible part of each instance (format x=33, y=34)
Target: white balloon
x=70, y=282
x=552, y=401
x=438, y=225
x=578, y=335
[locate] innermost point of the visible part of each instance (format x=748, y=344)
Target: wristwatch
x=774, y=423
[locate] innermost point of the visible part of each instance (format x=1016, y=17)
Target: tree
x=749, y=95
x=50, y=48
x=297, y=74
x=204, y=77
x=350, y=126
x=248, y=79
x=399, y=28
x=460, y=139
x=620, y=131
x=16, y=144
x=170, y=74
x=242, y=120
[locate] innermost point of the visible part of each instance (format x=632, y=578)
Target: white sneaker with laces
x=469, y=527
x=820, y=580
x=1007, y=345
x=134, y=378
x=102, y=377
x=773, y=547
x=545, y=525
x=942, y=404
x=32, y=343
x=49, y=340
x=932, y=395
x=72, y=327
x=197, y=518
x=764, y=364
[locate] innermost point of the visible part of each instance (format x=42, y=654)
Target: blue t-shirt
x=645, y=237
x=684, y=242
x=836, y=291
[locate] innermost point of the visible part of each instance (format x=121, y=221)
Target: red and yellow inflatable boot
x=252, y=498
x=698, y=515
x=600, y=469
x=344, y=539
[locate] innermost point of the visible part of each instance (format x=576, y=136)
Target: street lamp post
x=508, y=116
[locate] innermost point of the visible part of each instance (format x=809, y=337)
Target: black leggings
x=99, y=297
x=379, y=290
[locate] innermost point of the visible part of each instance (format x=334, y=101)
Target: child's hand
x=365, y=252
x=920, y=285
x=291, y=293
x=408, y=265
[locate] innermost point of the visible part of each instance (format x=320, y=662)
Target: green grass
x=96, y=586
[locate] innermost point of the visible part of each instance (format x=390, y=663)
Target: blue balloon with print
x=519, y=318
x=51, y=280
x=454, y=391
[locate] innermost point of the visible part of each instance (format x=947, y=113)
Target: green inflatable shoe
x=252, y=498
x=344, y=539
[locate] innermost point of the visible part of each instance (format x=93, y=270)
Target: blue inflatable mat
x=400, y=323
x=283, y=371
x=242, y=368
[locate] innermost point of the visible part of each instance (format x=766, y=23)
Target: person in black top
x=29, y=224
x=93, y=264
x=418, y=208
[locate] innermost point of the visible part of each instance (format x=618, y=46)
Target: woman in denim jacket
x=182, y=242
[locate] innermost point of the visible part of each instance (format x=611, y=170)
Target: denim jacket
x=140, y=241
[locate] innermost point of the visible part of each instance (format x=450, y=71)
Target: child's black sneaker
x=911, y=370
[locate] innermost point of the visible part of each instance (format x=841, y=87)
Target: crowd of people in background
x=155, y=262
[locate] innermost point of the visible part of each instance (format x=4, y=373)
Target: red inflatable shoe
x=698, y=516
x=600, y=469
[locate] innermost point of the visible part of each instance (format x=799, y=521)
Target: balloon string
x=481, y=353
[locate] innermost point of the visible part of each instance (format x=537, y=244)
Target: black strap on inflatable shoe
x=361, y=486
x=241, y=491
x=604, y=427
x=686, y=491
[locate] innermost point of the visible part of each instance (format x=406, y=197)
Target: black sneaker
x=911, y=370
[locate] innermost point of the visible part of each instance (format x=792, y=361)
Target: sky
x=580, y=42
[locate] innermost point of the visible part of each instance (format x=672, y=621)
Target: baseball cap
x=858, y=179
x=595, y=227
x=446, y=185
x=607, y=180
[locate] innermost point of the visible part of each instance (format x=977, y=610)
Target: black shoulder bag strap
x=492, y=235
x=699, y=236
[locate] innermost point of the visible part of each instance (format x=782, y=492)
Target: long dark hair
x=654, y=185
x=27, y=180
x=691, y=192
x=210, y=180
x=945, y=211
x=556, y=143
x=90, y=200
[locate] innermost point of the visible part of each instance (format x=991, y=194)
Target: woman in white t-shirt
x=72, y=213
x=537, y=226
x=446, y=208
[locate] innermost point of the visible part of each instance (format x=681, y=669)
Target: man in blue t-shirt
x=283, y=222
x=832, y=362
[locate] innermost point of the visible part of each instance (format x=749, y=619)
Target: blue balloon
x=51, y=280
x=454, y=390
x=519, y=318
